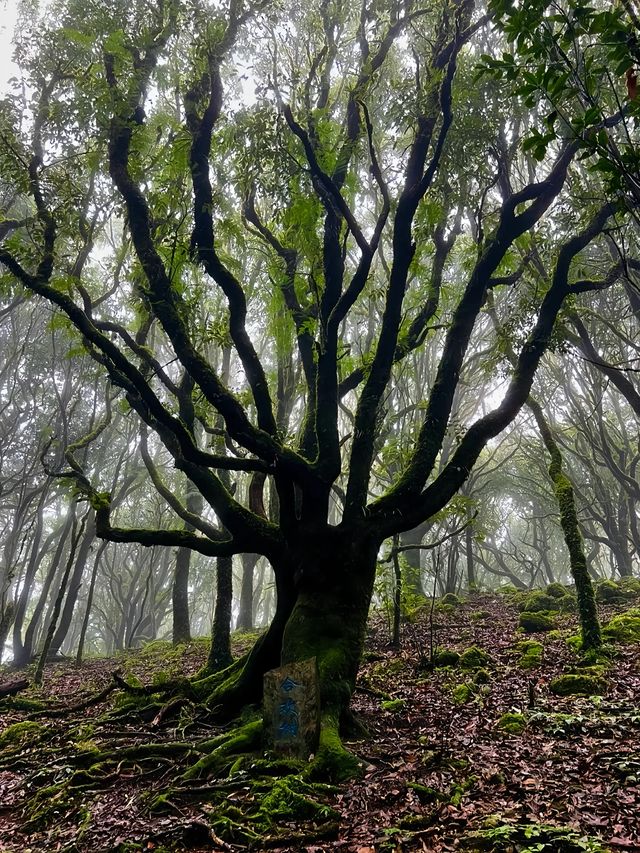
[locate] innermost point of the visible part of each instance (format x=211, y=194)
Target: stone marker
x=292, y=708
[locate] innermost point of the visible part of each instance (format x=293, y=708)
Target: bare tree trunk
x=245, y=613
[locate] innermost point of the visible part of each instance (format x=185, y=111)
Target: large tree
x=319, y=188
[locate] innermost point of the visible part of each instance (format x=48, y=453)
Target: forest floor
x=445, y=770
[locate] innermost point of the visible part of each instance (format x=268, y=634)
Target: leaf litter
x=441, y=773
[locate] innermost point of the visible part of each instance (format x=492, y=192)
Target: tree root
x=225, y=750
x=13, y=687
x=333, y=762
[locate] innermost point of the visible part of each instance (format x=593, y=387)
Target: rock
x=445, y=657
x=577, y=684
x=292, y=708
x=473, y=657
x=512, y=723
x=625, y=627
x=537, y=602
x=533, y=622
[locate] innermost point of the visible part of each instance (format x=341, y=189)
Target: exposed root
x=333, y=762
x=13, y=687
x=225, y=750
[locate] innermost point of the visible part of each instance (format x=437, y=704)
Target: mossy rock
x=537, y=602
x=568, y=603
x=556, y=590
x=461, y=694
x=512, y=723
x=574, y=641
x=473, y=658
x=608, y=592
x=509, y=589
x=289, y=799
x=530, y=654
x=630, y=586
x=480, y=615
x=451, y=598
x=624, y=628
x=425, y=794
x=481, y=677
x=19, y=734
x=577, y=684
x=387, y=667
x=534, y=622
x=393, y=705
x=445, y=657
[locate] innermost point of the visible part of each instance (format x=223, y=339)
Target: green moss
x=445, y=657
x=512, y=723
x=425, y=794
x=393, y=705
x=288, y=800
x=386, y=668
x=530, y=654
x=499, y=837
x=474, y=657
x=630, y=585
x=225, y=750
x=532, y=623
x=480, y=615
x=461, y=694
x=162, y=648
x=481, y=677
x=625, y=627
x=450, y=598
x=577, y=684
x=537, y=602
x=333, y=762
x=19, y=734
x=574, y=641
x=608, y=592
x=556, y=590
x=568, y=603
x=509, y=590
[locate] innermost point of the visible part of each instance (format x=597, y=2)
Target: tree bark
x=220, y=650
x=245, y=613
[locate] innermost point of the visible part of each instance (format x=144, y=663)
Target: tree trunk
x=180, y=597
x=7, y=615
x=30, y=634
x=472, y=582
x=74, y=585
x=412, y=573
x=563, y=489
x=245, y=613
x=329, y=618
x=220, y=651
